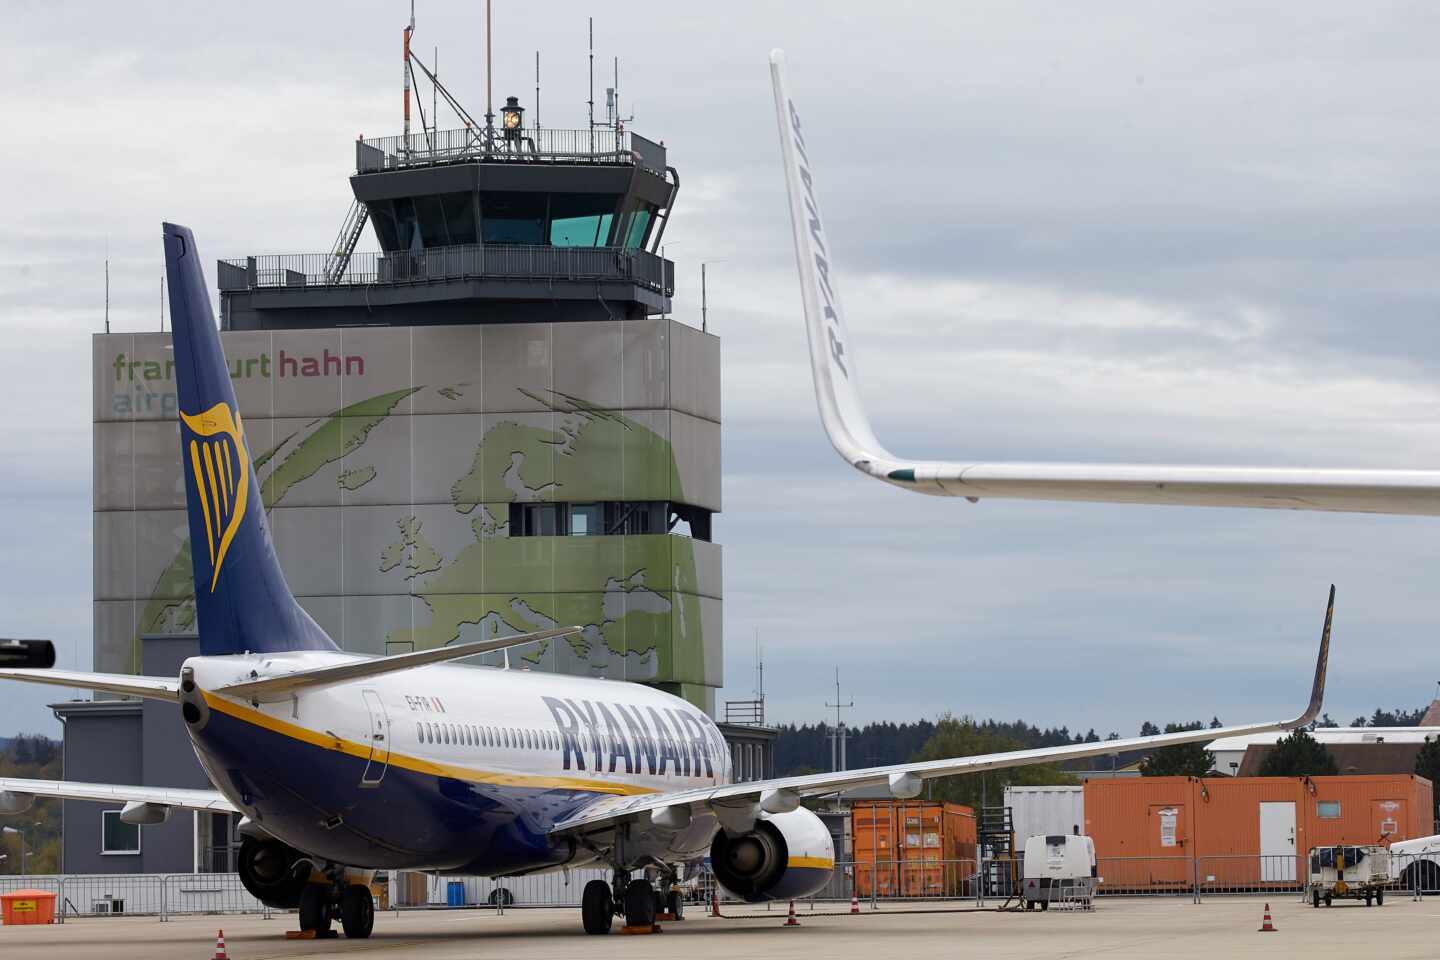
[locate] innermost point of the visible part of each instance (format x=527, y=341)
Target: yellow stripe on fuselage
x=416, y=764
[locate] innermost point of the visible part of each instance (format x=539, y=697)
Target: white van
x=1058, y=867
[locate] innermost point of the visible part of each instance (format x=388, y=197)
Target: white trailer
x=1416, y=863
x=1058, y=868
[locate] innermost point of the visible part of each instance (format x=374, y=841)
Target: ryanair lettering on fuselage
x=615, y=737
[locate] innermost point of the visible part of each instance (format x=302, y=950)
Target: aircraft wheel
x=597, y=909
x=315, y=908
x=357, y=912
x=1379, y=898
x=639, y=903
x=675, y=904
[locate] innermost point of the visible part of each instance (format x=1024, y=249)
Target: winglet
x=1317, y=691
x=831, y=361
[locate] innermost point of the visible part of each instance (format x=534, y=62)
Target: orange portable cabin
x=1169, y=832
x=19, y=907
x=912, y=848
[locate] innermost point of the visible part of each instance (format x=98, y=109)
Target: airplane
x=342, y=764
x=832, y=364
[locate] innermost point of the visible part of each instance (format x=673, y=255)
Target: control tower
x=489, y=425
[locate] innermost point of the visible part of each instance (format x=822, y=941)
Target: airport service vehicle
x=341, y=764
x=832, y=362
x=1356, y=872
x=1060, y=867
x=1417, y=863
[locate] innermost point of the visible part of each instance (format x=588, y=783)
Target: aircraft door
x=379, y=740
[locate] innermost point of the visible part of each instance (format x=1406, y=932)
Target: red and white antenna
x=408, y=31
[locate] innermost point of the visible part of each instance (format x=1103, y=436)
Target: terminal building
x=490, y=425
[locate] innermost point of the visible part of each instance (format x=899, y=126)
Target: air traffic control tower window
x=581, y=219
x=507, y=217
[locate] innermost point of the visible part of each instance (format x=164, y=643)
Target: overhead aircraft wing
x=151, y=688
x=739, y=803
x=281, y=687
x=13, y=791
x=832, y=362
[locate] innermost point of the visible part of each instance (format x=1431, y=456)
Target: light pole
x=23, y=852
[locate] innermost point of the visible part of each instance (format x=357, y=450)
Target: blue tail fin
x=241, y=598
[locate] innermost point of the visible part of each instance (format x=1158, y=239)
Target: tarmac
x=1149, y=928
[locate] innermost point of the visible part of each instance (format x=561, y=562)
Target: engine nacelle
x=271, y=871
x=787, y=856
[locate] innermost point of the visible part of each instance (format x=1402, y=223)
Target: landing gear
x=674, y=903
x=315, y=904
x=639, y=903
x=597, y=907
x=357, y=912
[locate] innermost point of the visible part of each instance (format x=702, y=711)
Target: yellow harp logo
x=222, y=477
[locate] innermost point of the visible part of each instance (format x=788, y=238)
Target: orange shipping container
x=912, y=848
x=1157, y=832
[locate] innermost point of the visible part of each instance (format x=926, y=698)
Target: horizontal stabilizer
x=281, y=687
x=151, y=688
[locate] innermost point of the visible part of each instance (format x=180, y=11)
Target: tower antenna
x=537, y=89
x=591, y=102
x=409, y=29
x=489, y=99
x=107, y=290
x=840, y=735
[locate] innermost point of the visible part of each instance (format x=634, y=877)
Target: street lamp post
x=23, y=851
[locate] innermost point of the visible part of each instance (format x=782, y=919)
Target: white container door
x=1277, y=842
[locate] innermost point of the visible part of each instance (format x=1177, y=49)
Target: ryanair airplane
x=341, y=764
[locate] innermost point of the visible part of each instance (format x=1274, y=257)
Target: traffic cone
x=854, y=902
x=1265, y=925
x=714, y=903
x=220, y=953
x=792, y=920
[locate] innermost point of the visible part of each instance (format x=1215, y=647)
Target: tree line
x=31, y=757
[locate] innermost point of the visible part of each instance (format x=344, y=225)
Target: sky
x=1203, y=232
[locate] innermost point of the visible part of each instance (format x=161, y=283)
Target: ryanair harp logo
x=218, y=464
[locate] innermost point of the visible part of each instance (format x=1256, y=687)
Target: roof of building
x=1336, y=735
x=1351, y=759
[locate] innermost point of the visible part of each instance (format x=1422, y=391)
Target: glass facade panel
x=586, y=520
x=581, y=220
x=635, y=233
x=513, y=217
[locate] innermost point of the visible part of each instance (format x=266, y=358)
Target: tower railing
x=602, y=146
x=480, y=261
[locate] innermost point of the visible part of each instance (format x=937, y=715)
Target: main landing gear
x=351, y=904
x=635, y=900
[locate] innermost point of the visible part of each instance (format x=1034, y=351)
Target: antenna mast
x=107, y=294
x=591, y=102
x=840, y=734
x=537, y=89
x=489, y=99
x=409, y=29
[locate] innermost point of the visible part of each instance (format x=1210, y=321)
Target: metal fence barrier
x=874, y=883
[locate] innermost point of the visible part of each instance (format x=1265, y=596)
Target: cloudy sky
x=1202, y=233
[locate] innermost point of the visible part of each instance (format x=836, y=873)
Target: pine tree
x=1298, y=755
x=1427, y=761
x=1184, y=760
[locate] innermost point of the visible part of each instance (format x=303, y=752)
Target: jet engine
x=786, y=856
x=272, y=872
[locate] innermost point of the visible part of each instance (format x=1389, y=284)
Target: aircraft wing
x=832, y=362
x=282, y=686
x=151, y=688
x=740, y=802
x=14, y=791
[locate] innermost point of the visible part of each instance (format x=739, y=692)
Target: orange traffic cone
x=714, y=903
x=220, y=953
x=1265, y=925
x=791, y=920
x=854, y=902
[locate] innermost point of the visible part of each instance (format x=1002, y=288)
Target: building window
x=117, y=836
x=1328, y=809
x=534, y=519
x=587, y=519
